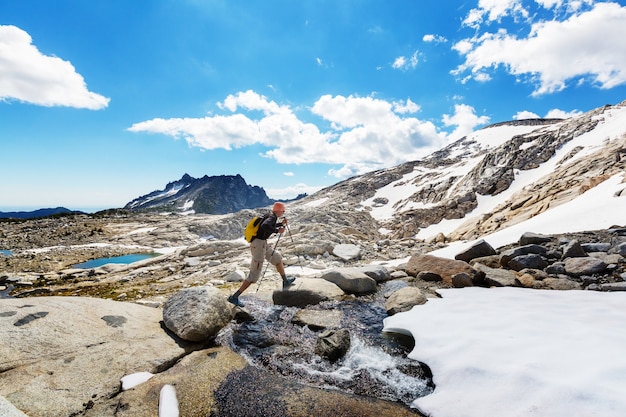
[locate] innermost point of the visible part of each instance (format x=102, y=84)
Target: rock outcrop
x=60, y=355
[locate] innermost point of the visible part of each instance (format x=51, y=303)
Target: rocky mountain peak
x=209, y=194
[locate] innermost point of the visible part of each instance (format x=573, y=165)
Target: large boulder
x=307, y=291
x=347, y=251
x=378, y=272
x=497, y=277
x=351, y=281
x=318, y=319
x=404, y=299
x=530, y=238
x=529, y=249
x=446, y=268
x=573, y=249
x=584, y=266
x=530, y=261
x=197, y=313
x=477, y=250
x=333, y=344
x=58, y=355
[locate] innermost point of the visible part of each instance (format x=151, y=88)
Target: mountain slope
x=211, y=195
x=493, y=179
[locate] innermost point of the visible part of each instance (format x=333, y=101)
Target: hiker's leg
x=257, y=249
x=244, y=286
x=280, y=268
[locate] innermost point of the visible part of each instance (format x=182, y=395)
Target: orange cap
x=278, y=206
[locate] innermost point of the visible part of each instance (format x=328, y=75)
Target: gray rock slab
x=477, y=250
x=307, y=291
x=584, y=266
x=59, y=353
x=377, y=272
x=351, y=281
x=497, y=277
x=347, y=251
x=614, y=286
x=532, y=238
x=318, y=319
x=404, y=299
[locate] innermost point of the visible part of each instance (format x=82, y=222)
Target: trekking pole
x=289, y=230
x=268, y=263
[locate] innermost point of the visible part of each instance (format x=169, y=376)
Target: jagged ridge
x=211, y=195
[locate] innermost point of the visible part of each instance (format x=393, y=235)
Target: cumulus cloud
x=362, y=134
x=404, y=63
x=29, y=76
x=525, y=114
x=552, y=114
x=493, y=10
x=291, y=191
x=434, y=38
x=465, y=120
x=562, y=114
x=586, y=46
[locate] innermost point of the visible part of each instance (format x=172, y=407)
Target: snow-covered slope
x=497, y=178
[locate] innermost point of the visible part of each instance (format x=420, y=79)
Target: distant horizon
x=28, y=209
x=94, y=209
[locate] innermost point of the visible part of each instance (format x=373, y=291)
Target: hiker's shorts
x=261, y=251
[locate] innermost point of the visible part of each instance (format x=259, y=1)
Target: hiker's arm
x=269, y=227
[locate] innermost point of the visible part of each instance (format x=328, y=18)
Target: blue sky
x=104, y=101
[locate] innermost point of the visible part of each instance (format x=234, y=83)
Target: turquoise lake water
x=125, y=259
x=5, y=252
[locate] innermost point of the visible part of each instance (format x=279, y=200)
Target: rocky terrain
x=334, y=261
x=70, y=335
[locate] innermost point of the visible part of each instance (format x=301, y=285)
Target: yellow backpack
x=253, y=227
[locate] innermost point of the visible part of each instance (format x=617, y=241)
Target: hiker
x=261, y=250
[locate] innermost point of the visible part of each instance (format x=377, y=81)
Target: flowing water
x=375, y=365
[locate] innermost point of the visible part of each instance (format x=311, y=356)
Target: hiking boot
x=288, y=282
x=235, y=300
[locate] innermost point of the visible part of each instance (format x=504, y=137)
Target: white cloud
x=249, y=100
x=465, y=120
x=288, y=174
x=404, y=63
x=493, y=10
x=374, y=132
x=525, y=114
x=434, y=38
x=292, y=191
x=29, y=76
x=552, y=114
x=587, y=46
x=562, y=114
x=407, y=107
x=464, y=46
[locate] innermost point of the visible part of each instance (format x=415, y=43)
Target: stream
x=376, y=365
